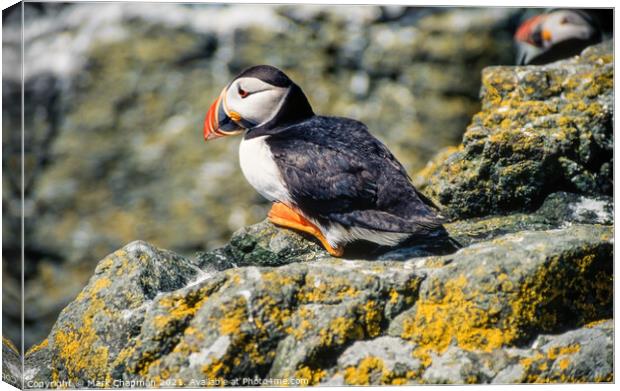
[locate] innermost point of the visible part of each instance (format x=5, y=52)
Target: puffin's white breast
x=260, y=169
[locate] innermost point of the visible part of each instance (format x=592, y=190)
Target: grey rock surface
x=487, y=313
x=578, y=208
x=11, y=364
x=381, y=360
x=560, y=358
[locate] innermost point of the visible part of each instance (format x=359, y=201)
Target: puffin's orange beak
x=530, y=30
x=210, y=125
x=218, y=122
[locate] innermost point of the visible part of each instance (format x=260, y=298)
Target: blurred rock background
x=115, y=96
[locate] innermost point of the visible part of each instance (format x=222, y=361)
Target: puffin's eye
x=242, y=93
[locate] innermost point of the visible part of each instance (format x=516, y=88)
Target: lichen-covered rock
x=11, y=364
x=505, y=291
x=578, y=208
x=541, y=128
x=240, y=322
x=151, y=317
x=92, y=330
x=557, y=210
x=582, y=355
x=262, y=244
x=577, y=356
x=383, y=360
x=38, y=367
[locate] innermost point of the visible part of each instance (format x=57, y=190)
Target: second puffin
x=327, y=176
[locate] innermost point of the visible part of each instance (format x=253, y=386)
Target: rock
x=583, y=355
x=155, y=318
x=540, y=129
x=578, y=208
x=557, y=210
x=112, y=304
x=260, y=316
x=172, y=320
x=261, y=244
x=11, y=364
x=504, y=291
x=38, y=367
x=577, y=356
x=458, y=366
x=383, y=360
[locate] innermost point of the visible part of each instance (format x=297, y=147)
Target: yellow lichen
x=438, y=321
x=340, y=331
x=393, y=296
x=556, y=351
x=37, y=347
x=215, y=371
x=179, y=308
x=361, y=375
x=450, y=312
x=372, y=318
x=81, y=351
x=306, y=323
x=93, y=289
x=596, y=323
x=311, y=376
x=11, y=346
x=231, y=323
x=317, y=290
x=538, y=369
x=372, y=370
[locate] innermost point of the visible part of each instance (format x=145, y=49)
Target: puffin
x=326, y=176
x=555, y=35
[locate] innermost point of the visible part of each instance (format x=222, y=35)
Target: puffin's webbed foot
x=287, y=217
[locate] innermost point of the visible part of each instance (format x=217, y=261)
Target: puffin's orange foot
x=287, y=217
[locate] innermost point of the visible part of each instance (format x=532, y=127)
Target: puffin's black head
x=261, y=96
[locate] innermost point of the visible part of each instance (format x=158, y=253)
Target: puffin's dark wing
x=422, y=225
x=335, y=170
x=323, y=179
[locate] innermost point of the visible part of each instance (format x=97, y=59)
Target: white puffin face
x=560, y=26
x=261, y=98
x=253, y=100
